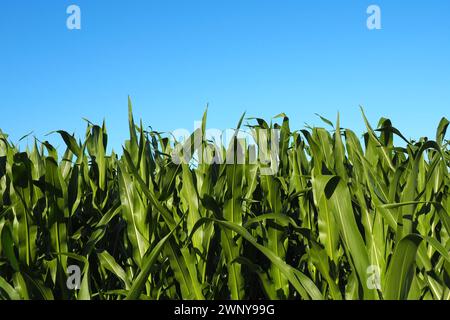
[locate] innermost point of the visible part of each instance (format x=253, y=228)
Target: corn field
x=343, y=217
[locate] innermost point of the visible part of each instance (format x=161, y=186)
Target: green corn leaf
x=401, y=268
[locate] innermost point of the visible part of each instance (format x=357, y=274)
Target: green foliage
x=141, y=226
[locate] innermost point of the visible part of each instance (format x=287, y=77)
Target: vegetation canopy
x=340, y=218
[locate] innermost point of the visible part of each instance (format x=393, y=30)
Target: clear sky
x=260, y=56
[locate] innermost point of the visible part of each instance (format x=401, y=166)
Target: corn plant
x=343, y=217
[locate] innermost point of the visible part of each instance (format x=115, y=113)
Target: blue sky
x=259, y=56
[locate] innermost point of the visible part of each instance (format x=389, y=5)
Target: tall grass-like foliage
x=342, y=218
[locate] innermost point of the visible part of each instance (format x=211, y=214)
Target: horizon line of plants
x=339, y=213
